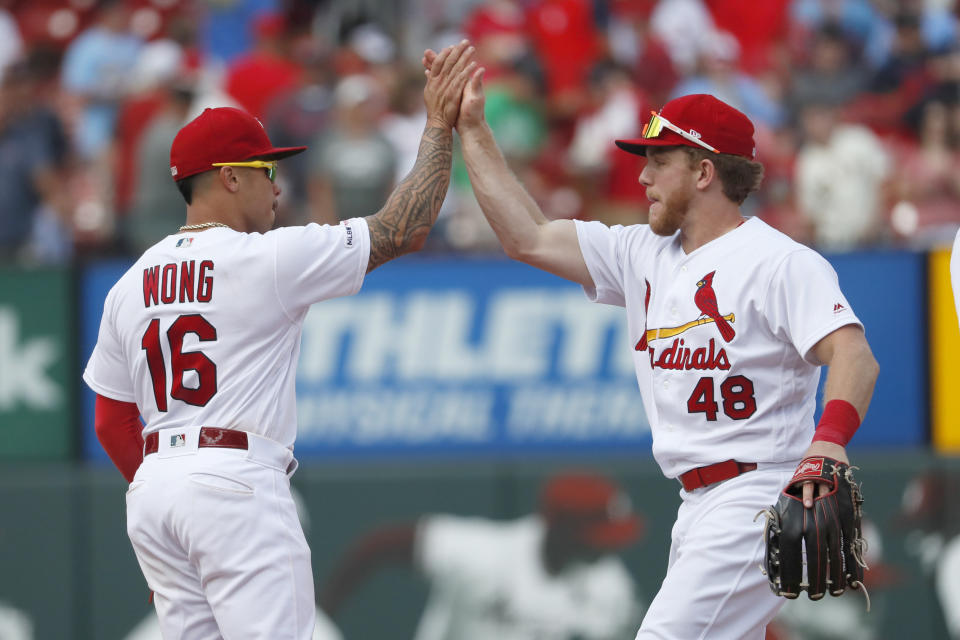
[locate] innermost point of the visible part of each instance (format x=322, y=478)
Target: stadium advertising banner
x=888, y=292
x=466, y=356
x=36, y=364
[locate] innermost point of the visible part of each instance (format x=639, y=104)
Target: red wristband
x=838, y=423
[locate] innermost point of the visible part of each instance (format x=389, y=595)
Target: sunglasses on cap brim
x=658, y=123
x=269, y=165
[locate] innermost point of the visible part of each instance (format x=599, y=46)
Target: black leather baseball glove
x=826, y=538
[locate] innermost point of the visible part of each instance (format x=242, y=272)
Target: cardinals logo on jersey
x=706, y=300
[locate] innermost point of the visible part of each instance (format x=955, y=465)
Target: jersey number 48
x=736, y=393
x=181, y=361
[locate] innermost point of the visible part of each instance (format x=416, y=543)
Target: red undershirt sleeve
x=119, y=431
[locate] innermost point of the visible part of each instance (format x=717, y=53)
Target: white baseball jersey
x=204, y=329
x=955, y=272
x=488, y=581
x=721, y=337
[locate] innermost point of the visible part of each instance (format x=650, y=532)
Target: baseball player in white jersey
x=201, y=338
x=955, y=272
x=554, y=574
x=730, y=322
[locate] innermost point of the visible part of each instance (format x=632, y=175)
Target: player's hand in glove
x=829, y=532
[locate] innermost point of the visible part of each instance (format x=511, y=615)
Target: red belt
x=209, y=437
x=713, y=473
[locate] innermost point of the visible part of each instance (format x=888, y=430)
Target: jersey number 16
x=181, y=361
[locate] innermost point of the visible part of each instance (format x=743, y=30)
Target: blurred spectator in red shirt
x=760, y=28
x=497, y=28
x=565, y=38
x=255, y=79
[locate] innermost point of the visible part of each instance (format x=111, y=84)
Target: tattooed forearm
x=405, y=220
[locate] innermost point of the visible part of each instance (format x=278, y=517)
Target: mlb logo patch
x=178, y=440
x=184, y=242
x=348, y=242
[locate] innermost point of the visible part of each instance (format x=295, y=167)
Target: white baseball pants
x=714, y=589
x=217, y=536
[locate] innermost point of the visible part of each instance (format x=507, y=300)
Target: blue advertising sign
x=888, y=292
x=472, y=356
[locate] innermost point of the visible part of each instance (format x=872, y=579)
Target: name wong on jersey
x=184, y=282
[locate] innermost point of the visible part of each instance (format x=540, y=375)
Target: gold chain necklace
x=202, y=225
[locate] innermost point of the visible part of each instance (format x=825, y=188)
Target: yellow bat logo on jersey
x=669, y=332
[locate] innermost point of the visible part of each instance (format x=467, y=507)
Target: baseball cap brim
x=278, y=153
x=615, y=534
x=639, y=146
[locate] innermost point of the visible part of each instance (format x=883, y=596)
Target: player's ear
x=706, y=173
x=229, y=178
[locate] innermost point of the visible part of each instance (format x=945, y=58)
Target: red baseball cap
x=599, y=510
x=704, y=117
x=223, y=134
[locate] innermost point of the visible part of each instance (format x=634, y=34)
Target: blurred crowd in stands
x=857, y=105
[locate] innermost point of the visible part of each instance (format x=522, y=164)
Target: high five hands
x=447, y=75
x=470, y=108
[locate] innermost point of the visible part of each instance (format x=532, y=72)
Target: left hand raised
x=446, y=77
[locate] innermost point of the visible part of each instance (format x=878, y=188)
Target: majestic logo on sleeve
x=680, y=356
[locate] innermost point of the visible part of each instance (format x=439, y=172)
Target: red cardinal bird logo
x=706, y=301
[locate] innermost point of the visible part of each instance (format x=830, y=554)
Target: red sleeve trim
x=119, y=431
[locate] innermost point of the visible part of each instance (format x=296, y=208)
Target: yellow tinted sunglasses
x=269, y=165
x=658, y=123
